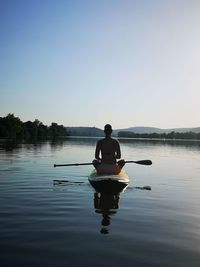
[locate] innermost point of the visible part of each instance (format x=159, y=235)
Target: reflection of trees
x=9, y=145
x=106, y=204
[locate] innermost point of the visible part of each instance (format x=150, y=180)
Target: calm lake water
x=67, y=224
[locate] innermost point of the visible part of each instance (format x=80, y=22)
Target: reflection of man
x=109, y=149
x=107, y=206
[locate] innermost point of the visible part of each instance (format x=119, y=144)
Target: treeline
x=171, y=135
x=12, y=127
x=84, y=131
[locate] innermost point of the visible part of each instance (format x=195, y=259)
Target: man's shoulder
x=106, y=140
x=100, y=141
x=115, y=141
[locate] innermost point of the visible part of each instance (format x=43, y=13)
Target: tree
x=56, y=130
x=11, y=127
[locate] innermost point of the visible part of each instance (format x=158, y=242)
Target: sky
x=91, y=62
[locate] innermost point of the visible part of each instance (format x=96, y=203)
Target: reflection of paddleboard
x=109, y=182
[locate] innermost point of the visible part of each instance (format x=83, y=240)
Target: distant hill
x=149, y=130
x=93, y=131
x=84, y=131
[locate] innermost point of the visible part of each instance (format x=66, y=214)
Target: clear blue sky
x=91, y=62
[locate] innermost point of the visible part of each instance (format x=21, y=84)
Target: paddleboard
x=109, y=182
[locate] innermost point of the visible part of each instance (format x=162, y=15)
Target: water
x=68, y=224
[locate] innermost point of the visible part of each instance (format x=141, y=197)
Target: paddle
x=142, y=162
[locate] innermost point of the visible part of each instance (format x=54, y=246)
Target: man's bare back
x=107, y=152
x=109, y=149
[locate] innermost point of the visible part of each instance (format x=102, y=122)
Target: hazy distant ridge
x=93, y=131
x=148, y=130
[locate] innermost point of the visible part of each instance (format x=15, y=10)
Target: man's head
x=108, y=129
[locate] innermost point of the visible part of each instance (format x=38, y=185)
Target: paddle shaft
x=142, y=162
x=71, y=164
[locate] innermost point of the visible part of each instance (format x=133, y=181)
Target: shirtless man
x=110, y=152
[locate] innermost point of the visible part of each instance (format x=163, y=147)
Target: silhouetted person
x=109, y=149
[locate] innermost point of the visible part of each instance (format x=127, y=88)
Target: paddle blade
x=142, y=162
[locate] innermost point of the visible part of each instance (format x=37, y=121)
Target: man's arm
x=117, y=151
x=97, y=151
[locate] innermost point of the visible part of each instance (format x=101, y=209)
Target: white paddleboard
x=109, y=182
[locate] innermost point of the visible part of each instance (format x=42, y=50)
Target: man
x=110, y=152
